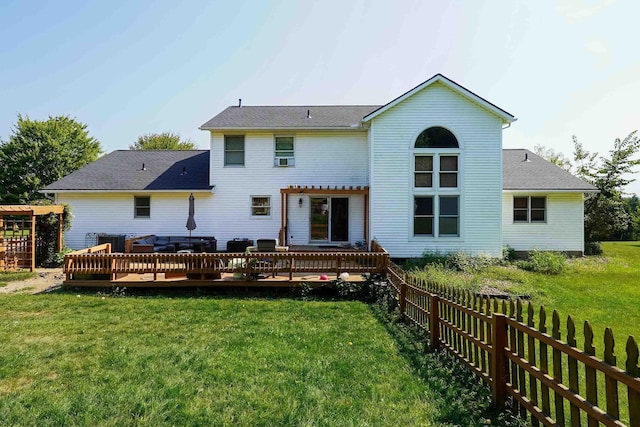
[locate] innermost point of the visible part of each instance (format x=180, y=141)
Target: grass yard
x=604, y=290
x=80, y=360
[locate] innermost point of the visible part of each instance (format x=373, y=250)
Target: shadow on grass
x=462, y=399
x=244, y=292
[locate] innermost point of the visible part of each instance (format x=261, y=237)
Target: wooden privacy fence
x=545, y=377
x=208, y=265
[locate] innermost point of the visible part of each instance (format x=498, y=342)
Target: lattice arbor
x=18, y=234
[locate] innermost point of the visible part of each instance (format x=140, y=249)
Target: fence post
x=499, y=368
x=434, y=321
x=403, y=298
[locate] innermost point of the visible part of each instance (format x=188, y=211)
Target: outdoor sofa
x=154, y=243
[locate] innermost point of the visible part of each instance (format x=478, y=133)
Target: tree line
x=609, y=214
x=40, y=152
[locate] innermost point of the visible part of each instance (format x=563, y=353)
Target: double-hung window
x=142, y=207
x=260, y=206
x=284, y=152
x=529, y=209
x=436, y=191
x=234, y=150
x=427, y=223
x=423, y=175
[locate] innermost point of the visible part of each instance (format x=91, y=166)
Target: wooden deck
x=98, y=267
x=226, y=280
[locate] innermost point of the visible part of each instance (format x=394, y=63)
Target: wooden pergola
x=324, y=191
x=23, y=248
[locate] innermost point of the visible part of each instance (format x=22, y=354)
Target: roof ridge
x=307, y=105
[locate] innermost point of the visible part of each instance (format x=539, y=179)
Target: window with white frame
x=284, y=151
x=234, y=150
x=427, y=223
x=423, y=174
x=423, y=215
x=436, y=186
x=142, y=207
x=449, y=219
x=260, y=206
x=529, y=209
x=448, y=171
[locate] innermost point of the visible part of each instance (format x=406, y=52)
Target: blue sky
x=127, y=68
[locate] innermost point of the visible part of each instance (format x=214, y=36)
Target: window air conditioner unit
x=284, y=161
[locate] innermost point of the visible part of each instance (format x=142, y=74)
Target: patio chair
x=268, y=245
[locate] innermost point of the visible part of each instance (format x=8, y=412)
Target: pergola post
x=60, y=233
x=32, y=241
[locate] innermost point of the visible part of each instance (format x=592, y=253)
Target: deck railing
x=208, y=265
x=549, y=379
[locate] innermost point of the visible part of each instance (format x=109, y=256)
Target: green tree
x=553, y=156
x=632, y=207
x=606, y=215
x=162, y=141
x=39, y=153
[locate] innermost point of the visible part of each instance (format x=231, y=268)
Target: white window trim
x=436, y=217
x=528, y=197
x=135, y=206
x=270, y=206
x=293, y=155
x=435, y=191
x=224, y=151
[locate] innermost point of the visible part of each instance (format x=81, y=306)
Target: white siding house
x=478, y=131
x=329, y=158
x=563, y=229
x=425, y=172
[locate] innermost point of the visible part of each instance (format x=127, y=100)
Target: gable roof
x=526, y=171
x=122, y=170
x=439, y=78
x=338, y=117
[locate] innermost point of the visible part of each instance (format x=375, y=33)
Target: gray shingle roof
x=122, y=170
x=290, y=117
x=524, y=170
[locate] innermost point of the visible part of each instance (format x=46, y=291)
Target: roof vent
x=239, y=102
x=308, y=114
x=526, y=157
x=184, y=170
x=143, y=168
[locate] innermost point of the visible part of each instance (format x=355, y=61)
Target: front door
x=329, y=220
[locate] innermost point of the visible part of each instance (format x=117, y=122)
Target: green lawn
x=604, y=290
x=80, y=360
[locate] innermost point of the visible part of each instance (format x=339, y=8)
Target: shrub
x=458, y=261
x=592, y=248
x=54, y=259
x=462, y=261
x=509, y=254
x=545, y=262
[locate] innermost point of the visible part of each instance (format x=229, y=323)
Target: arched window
x=436, y=190
x=436, y=137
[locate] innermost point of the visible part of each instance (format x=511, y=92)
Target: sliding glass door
x=329, y=219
